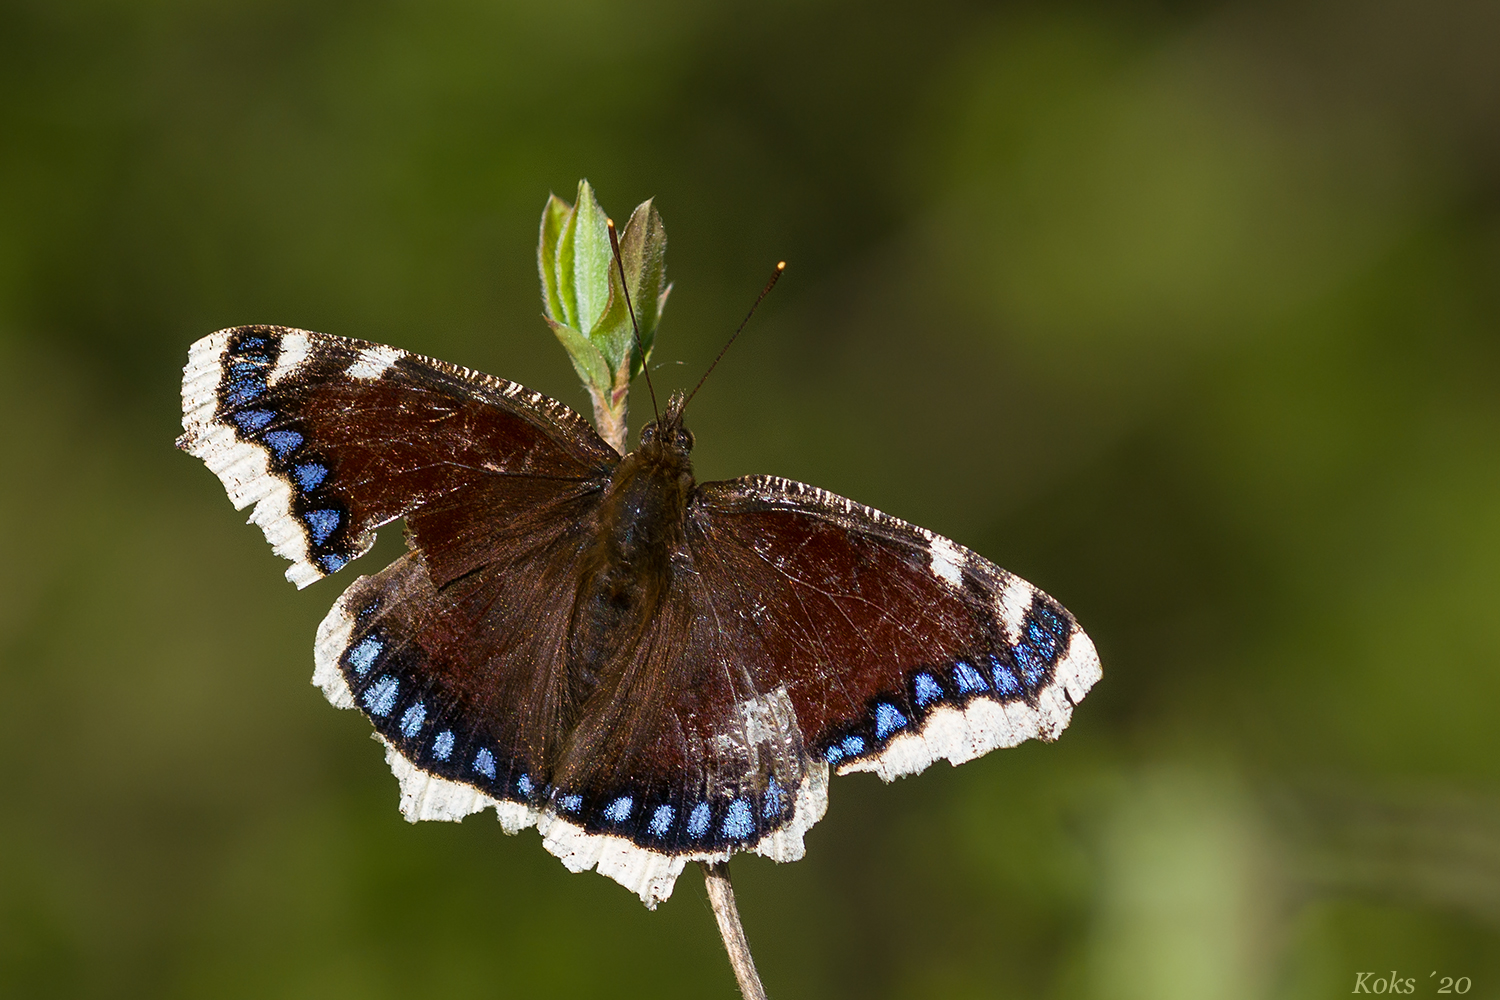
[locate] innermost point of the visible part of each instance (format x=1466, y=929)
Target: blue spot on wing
x=442, y=747
x=570, y=803
x=362, y=656
x=888, y=719
x=381, y=696
x=524, y=785
x=1005, y=681
x=775, y=799
x=484, y=763
x=321, y=524
x=738, y=823
x=1045, y=632
x=927, y=690
x=250, y=421
x=411, y=721
x=967, y=678
x=697, y=824
x=618, y=811
x=244, y=390
x=661, y=820
x=333, y=562
x=853, y=745
x=310, y=474
x=283, y=442
x=1032, y=667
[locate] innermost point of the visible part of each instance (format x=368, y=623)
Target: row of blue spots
x=246, y=375
x=380, y=697
x=1039, y=649
x=971, y=681
x=412, y=719
x=484, y=763
x=737, y=823
x=442, y=747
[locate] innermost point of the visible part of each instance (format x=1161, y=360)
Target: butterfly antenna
x=775, y=277
x=635, y=328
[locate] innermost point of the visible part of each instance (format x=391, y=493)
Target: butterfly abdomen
x=626, y=570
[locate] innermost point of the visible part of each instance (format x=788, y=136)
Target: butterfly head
x=666, y=439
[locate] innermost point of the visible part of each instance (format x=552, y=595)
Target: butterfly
x=648, y=669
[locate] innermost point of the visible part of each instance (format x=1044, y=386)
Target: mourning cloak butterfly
x=648, y=669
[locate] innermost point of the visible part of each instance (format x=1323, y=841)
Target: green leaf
x=555, y=219
x=583, y=298
x=613, y=334
x=588, y=361
x=567, y=297
x=592, y=259
x=643, y=249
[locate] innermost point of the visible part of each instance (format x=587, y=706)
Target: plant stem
x=721, y=896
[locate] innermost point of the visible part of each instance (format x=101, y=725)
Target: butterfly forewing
x=898, y=647
x=332, y=437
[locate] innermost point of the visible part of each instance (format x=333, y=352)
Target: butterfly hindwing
x=683, y=752
x=332, y=437
x=897, y=646
x=672, y=755
x=461, y=673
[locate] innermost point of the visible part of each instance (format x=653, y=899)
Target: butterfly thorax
x=637, y=529
x=641, y=515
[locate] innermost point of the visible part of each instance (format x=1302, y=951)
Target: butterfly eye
x=648, y=434
x=683, y=439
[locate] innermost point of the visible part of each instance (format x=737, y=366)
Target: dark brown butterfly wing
x=896, y=646
x=331, y=438
x=460, y=672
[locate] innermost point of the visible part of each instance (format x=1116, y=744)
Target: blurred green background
x=1185, y=311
